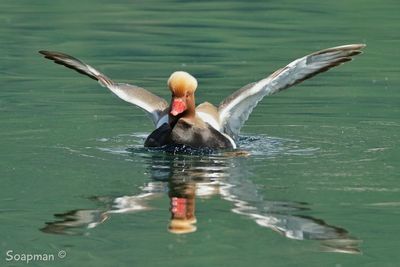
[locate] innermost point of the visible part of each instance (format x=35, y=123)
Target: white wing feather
x=154, y=106
x=236, y=108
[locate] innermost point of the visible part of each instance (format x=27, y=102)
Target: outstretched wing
x=155, y=106
x=236, y=108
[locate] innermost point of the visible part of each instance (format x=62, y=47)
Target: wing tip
x=77, y=65
x=352, y=49
x=353, y=46
x=47, y=54
x=54, y=55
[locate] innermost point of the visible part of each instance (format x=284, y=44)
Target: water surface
x=317, y=184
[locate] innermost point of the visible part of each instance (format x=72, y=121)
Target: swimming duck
x=181, y=123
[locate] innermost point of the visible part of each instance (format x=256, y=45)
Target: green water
x=320, y=187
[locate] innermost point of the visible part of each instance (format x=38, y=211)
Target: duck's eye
x=187, y=94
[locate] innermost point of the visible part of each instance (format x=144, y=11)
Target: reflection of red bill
x=178, y=207
x=178, y=106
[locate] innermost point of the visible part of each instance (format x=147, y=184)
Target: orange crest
x=181, y=82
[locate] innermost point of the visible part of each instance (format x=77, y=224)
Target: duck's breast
x=159, y=137
x=199, y=136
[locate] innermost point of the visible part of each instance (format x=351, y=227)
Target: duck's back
x=195, y=136
x=189, y=134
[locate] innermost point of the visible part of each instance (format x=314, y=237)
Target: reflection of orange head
x=178, y=226
x=182, y=215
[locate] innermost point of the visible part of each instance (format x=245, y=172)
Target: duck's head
x=182, y=86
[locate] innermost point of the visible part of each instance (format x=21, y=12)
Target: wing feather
x=153, y=105
x=237, y=107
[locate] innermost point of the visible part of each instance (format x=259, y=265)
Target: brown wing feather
x=236, y=108
x=155, y=106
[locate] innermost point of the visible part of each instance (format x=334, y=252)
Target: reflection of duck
x=182, y=202
x=207, y=126
x=186, y=178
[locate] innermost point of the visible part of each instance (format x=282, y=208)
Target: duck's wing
x=236, y=108
x=154, y=106
x=209, y=114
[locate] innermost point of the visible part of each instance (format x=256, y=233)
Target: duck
x=180, y=122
